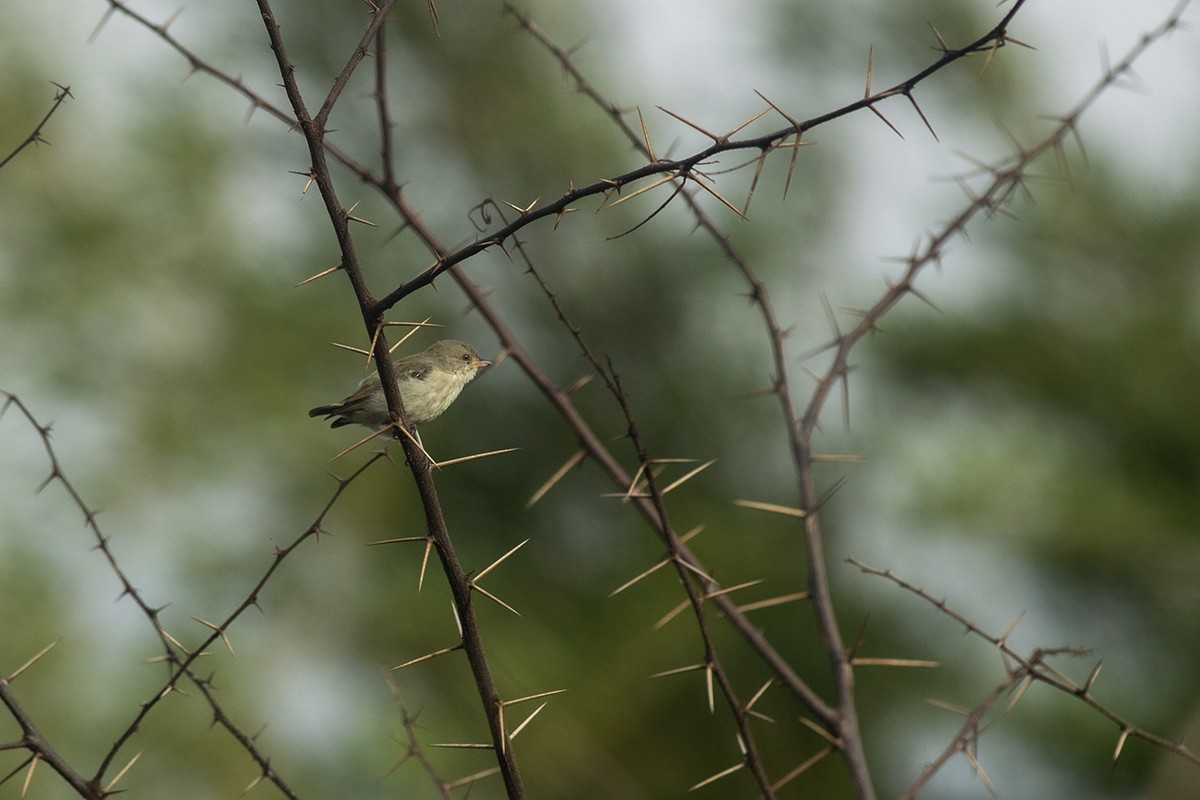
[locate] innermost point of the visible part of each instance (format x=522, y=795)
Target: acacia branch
x=372, y=312
x=179, y=659
x=35, y=137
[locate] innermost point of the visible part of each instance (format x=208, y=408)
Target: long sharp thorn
x=689, y=124
x=717, y=777
x=870, y=66
x=637, y=578
x=688, y=476
x=493, y=598
x=424, y=563
x=111, y=784
x=570, y=464
x=359, y=443
x=37, y=656
x=646, y=137
x=428, y=656
x=921, y=114
x=322, y=274
x=886, y=121
x=500, y=560
x=715, y=194
x=528, y=719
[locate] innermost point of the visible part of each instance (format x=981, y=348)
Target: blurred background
x=1031, y=445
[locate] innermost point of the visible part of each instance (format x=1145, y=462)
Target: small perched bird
x=429, y=382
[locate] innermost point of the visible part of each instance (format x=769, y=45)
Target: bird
x=429, y=382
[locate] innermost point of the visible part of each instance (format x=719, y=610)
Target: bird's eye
x=466, y=356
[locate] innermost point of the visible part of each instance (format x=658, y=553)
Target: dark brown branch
x=35, y=137
x=685, y=166
x=180, y=661
x=33, y=741
x=698, y=589
x=372, y=312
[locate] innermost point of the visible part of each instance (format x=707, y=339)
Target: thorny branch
x=685, y=168
x=1020, y=670
x=697, y=584
x=179, y=658
x=800, y=431
x=372, y=312
x=35, y=137
x=1007, y=178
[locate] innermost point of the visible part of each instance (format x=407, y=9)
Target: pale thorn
x=321, y=274
x=637, y=578
x=398, y=540
x=219, y=631
x=360, y=443
x=978, y=769
x=708, y=680
x=475, y=457
x=579, y=384
x=717, y=777
x=349, y=347
x=1087, y=686
x=774, y=601
x=471, y=779
x=415, y=327
x=957, y=709
x=121, y=774
x=104, y=18
x=558, y=475
x=252, y=784
x=688, y=476
x=870, y=66
x=774, y=508
x=414, y=439
x=1021, y=690
x=886, y=121
x=424, y=564
x=741, y=127
x=31, y=661
x=528, y=719
x=350, y=216
x=699, y=182
x=33, y=762
x=817, y=729
x=427, y=657
x=1125, y=731
x=177, y=643
x=524, y=210
x=494, y=599
x=672, y=614
x=690, y=124
x=892, y=662
x=643, y=190
x=1011, y=628
x=704, y=576
x=499, y=561
x=800, y=770
x=529, y=697
x=750, y=703
x=646, y=137
x=679, y=670
x=719, y=592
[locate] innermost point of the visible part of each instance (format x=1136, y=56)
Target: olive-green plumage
x=429, y=382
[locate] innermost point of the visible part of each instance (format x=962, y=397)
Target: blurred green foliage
x=1033, y=449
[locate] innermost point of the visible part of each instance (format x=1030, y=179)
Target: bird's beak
x=479, y=363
